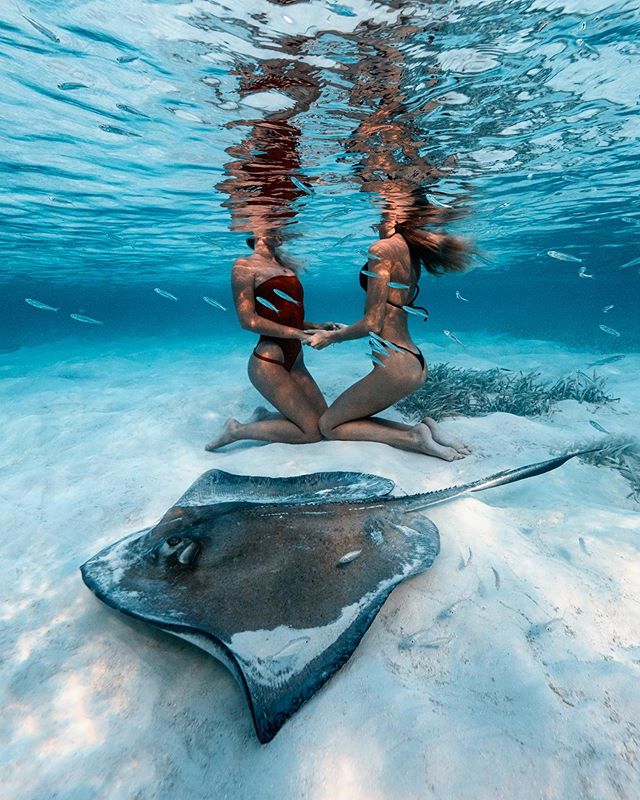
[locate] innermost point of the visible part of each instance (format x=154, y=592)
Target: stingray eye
x=172, y=541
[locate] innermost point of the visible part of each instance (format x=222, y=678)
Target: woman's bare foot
x=430, y=447
x=229, y=434
x=445, y=441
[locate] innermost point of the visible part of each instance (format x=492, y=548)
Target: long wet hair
x=435, y=250
x=438, y=252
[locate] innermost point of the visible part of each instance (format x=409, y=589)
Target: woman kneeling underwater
x=390, y=279
x=269, y=301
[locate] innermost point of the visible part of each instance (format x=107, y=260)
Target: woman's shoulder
x=243, y=270
x=244, y=264
x=394, y=247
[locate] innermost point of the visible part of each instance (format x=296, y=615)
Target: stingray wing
x=217, y=486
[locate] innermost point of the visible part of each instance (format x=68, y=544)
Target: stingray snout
x=183, y=549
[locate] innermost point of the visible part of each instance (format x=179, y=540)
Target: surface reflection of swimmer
x=263, y=183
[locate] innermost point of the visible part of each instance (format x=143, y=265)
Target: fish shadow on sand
x=278, y=578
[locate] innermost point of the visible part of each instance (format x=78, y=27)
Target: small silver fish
x=563, y=256
x=44, y=31
x=453, y=337
x=434, y=201
x=348, y=558
x=370, y=274
x=385, y=342
x=610, y=331
x=582, y=273
x=597, y=426
x=393, y=285
x=377, y=361
x=267, y=304
x=70, y=86
x=301, y=185
x=213, y=303
x=608, y=360
x=168, y=295
x=633, y=263
x=88, y=320
x=285, y=296
x=419, y=639
x=460, y=297
x=377, y=346
x=415, y=311
x=131, y=110
x=117, y=131
x=126, y=59
x=38, y=304
x=631, y=220
x=607, y=309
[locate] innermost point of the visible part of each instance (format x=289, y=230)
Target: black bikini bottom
x=418, y=355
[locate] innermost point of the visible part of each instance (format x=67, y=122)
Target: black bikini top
x=364, y=281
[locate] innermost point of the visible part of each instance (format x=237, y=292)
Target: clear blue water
x=136, y=147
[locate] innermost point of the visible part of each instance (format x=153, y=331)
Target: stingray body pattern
x=279, y=578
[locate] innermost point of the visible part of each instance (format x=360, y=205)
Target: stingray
x=278, y=578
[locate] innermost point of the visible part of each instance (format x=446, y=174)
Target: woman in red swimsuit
x=270, y=301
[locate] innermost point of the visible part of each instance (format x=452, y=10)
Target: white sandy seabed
x=510, y=669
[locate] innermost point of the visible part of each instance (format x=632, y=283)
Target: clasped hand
x=323, y=335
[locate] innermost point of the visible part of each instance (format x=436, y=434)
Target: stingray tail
x=498, y=479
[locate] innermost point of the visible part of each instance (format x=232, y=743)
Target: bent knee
x=326, y=427
x=311, y=432
x=311, y=436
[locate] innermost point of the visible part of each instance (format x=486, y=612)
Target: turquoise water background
x=117, y=124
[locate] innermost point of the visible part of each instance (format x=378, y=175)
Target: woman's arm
x=322, y=326
x=374, y=309
x=242, y=286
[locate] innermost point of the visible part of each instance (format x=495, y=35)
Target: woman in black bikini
x=391, y=281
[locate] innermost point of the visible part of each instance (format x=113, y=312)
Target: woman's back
x=395, y=254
